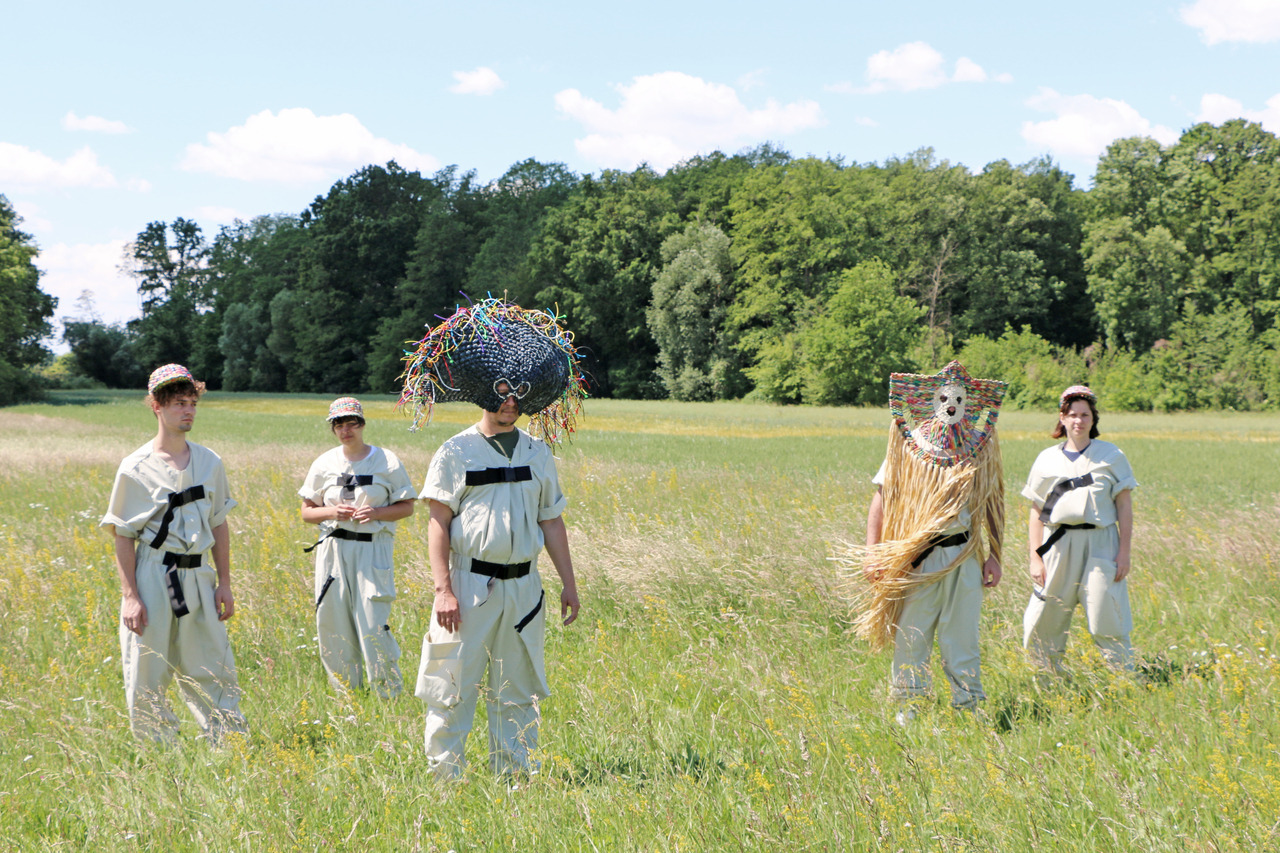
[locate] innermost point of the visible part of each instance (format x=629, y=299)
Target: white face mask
x=948, y=404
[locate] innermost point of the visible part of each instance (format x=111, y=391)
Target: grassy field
x=711, y=697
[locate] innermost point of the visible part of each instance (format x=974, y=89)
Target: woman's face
x=1077, y=420
x=348, y=430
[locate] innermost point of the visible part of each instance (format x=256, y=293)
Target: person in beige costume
x=167, y=512
x=356, y=493
x=495, y=503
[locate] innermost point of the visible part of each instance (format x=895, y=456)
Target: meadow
x=710, y=697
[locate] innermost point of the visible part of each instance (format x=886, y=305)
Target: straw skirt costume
x=355, y=579
x=1080, y=565
x=496, y=518
x=173, y=514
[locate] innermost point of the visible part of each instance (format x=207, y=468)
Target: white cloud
x=914, y=65
x=968, y=71
x=668, y=117
x=1219, y=108
x=24, y=167
x=33, y=221
x=1255, y=21
x=482, y=81
x=69, y=270
x=297, y=146
x=752, y=79
x=1086, y=125
x=94, y=124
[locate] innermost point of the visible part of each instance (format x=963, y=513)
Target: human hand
x=224, y=603
x=1037, y=570
x=991, y=572
x=344, y=512
x=569, y=604
x=362, y=514
x=1122, y=567
x=448, y=615
x=134, y=614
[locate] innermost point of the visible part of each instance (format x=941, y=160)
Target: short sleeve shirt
x=140, y=498
x=1093, y=503
x=328, y=483
x=497, y=522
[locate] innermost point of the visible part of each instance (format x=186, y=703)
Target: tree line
x=795, y=280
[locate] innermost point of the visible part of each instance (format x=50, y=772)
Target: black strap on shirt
x=500, y=571
x=176, y=499
x=173, y=562
x=1058, y=533
x=1061, y=489
x=489, y=476
x=520, y=626
x=944, y=542
x=348, y=483
x=340, y=533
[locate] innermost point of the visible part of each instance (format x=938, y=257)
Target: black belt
x=489, y=476
x=173, y=562
x=500, y=571
x=175, y=500
x=944, y=542
x=1058, y=533
x=341, y=533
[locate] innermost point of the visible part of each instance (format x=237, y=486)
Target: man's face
x=509, y=411
x=179, y=414
x=948, y=404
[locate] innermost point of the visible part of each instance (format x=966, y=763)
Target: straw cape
x=943, y=457
x=470, y=353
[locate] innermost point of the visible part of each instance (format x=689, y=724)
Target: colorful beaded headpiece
x=345, y=407
x=1077, y=391
x=167, y=375
x=945, y=418
x=493, y=343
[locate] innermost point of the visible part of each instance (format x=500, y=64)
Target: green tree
x=864, y=334
x=24, y=310
x=691, y=297
x=1137, y=279
x=173, y=281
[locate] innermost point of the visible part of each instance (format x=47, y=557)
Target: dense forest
x=795, y=280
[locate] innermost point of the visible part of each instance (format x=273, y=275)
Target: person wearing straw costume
x=356, y=493
x=940, y=488
x=495, y=503
x=168, y=514
x=1079, y=532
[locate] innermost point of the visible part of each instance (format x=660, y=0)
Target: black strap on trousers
x=340, y=533
x=1058, y=533
x=944, y=542
x=173, y=562
x=500, y=571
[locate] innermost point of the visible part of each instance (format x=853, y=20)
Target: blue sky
x=116, y=115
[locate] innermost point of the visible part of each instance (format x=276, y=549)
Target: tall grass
x=711, y=697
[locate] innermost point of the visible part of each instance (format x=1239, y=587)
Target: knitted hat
x=947, y=417
x=493, y=343
x=345, y=407
x=167, y=375
x=1077, y=391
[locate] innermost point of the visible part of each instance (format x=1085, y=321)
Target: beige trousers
x=1080, y=568
x=949, y=610
x=353, y=617
x=503, y=625
x=195, y=648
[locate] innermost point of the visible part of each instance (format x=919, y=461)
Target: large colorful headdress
x=947, y=417
x=473, y=354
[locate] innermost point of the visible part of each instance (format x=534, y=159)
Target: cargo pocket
x=378, y=583
x=440, y=672
x=1106, y=602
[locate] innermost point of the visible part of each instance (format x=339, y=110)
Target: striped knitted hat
x=167, y=375
x=345, y=407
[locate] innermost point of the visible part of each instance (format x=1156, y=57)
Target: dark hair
x=166, y=394
x=333, y=424
x=1060, y=432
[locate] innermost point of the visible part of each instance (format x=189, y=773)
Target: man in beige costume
x=168, y=512
x=495, y=503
